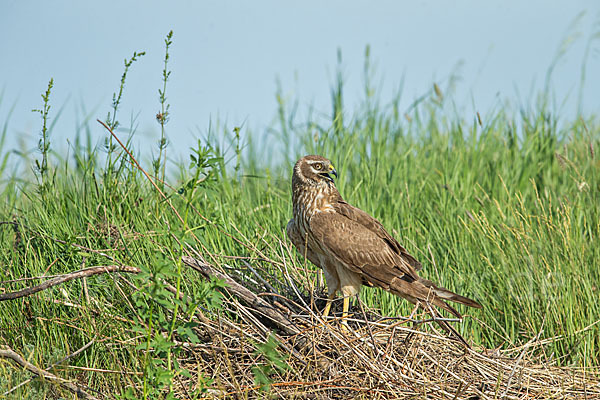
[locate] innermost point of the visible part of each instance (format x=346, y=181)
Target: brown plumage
x=352, y=247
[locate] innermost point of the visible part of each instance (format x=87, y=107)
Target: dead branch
x=244, y=294
x=262, y=308
x=67, y=277
x=73, y=354
x=7, y=352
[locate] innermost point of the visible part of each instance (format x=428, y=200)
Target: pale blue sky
x=227, y=55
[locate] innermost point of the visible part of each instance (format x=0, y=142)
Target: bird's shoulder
x=359, y=249
x=370, y=223
x=349, y=241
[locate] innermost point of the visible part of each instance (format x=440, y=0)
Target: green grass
x=506, y=212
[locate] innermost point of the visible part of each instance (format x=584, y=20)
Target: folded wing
x=364, y=219
x=367, y=253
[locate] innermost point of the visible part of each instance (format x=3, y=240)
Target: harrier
x=353, y=248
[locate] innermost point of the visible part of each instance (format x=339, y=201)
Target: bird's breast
x=306, y=204
x=309, y=203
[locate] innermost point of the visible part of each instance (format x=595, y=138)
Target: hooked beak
x=333, y=171
x=328, y=174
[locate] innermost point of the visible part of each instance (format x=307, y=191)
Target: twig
x=257, y=304
x=260, y=278
x=366, y=321
x=67, y=277
x=7, y=352
x=73, y=354
x=246, y=295
x=529, y=343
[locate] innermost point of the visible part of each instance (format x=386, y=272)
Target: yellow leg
x=328, y=305
x=345, y=308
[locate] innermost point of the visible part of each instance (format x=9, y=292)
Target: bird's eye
x=318, y=167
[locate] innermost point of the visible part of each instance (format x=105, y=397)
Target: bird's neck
x=311, y=199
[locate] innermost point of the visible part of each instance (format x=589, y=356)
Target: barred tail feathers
x=425, y=291
x=446, y=294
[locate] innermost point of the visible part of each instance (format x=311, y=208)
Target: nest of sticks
x=375, y=358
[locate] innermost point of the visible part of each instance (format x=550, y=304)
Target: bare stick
x=258, y=305
x=246, y=295
x=67, y=277
x=7, y=352
x=75, y=353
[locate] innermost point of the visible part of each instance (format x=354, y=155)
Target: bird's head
x=314, y=171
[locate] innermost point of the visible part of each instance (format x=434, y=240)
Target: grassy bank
x=504, y=210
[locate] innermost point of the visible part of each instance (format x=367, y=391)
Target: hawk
x=352, y=247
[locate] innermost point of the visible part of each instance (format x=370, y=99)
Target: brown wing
x=360, y=249
x=366, y=253
x=364, y=219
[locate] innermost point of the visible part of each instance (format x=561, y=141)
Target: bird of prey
x=352, y=247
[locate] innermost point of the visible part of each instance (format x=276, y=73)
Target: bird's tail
x=427, y=294
x=445, y=294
